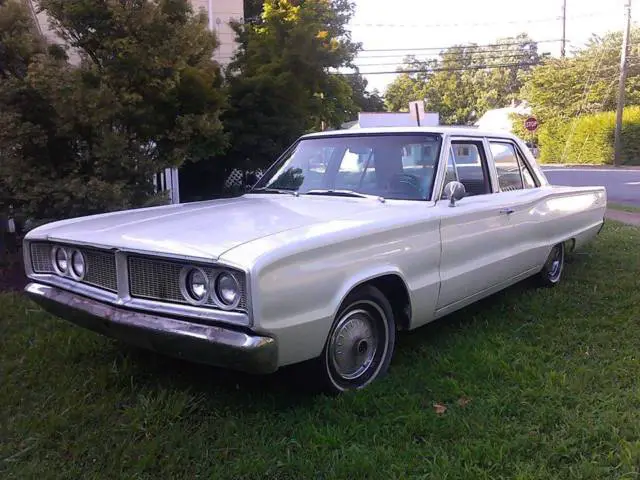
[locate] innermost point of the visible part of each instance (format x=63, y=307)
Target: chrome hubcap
x=555, y=263
x=353, y=344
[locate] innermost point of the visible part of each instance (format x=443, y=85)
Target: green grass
x=552, y=378
x=624, y=208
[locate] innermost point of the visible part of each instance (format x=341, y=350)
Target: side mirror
x=454, y=191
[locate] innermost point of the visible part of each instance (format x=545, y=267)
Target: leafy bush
x=588, y=139
x=88, y=138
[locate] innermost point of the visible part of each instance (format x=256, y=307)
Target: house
x=500, y=118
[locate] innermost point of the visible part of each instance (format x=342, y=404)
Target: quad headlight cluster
x=69, y=262
x=197, y=288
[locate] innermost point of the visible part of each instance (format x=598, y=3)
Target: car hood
x=202, y=229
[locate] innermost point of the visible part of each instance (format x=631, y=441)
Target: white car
x=349, y=237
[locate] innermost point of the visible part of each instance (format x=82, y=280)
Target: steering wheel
x=406, y=184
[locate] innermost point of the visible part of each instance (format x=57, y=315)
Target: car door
x=519, y=194
x=476, y=239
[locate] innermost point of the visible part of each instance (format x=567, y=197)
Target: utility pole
x=564, y=28
x=617, y=143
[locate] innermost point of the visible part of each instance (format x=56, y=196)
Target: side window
x=451, y=174
x=513, y=173
x=507, y=166
x=527, y=176
x=468, y=163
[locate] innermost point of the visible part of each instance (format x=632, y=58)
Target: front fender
x=362, y=277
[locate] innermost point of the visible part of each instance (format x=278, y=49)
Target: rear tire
x=360, y=344
x=551, y=272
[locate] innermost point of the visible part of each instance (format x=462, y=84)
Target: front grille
x=160, y=280
x=41, y=258
x=101, y=269
x=101, y=265
x=149, y=278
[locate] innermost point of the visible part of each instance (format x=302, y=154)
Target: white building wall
x=220, y=14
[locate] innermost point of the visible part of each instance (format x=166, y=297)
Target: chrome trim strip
x=122, y=277
x=199, y=314
x=212, y=345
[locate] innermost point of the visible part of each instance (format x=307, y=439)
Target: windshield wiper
x=339, y=193
x=274, y=190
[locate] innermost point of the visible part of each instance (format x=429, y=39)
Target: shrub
x=89, y=137
x=588, y=139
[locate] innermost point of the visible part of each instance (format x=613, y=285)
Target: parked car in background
x=349, y=237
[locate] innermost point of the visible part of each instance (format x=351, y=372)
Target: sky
x=413, y=24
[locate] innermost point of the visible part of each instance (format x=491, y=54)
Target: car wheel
x=551, y=273
x=360, y=343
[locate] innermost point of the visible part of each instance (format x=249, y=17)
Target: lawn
x=624, y=208
x=529, y=384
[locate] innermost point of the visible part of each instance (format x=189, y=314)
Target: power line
x=478, y=24
x=444, y=69
x=470, y=48
x=506, y=51
x=475, y=67
x=457, y=47
x=502, y=58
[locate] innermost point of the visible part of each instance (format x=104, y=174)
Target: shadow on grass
x=291, y=386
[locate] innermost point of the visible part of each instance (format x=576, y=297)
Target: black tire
x=551, y=272
x=370, y=349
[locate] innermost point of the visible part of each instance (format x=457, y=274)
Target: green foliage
x=365, y=101
x=588, y=139
x=18, y=44
x=85, y=139
x=458, y=86
x=584, y=83
x=574, y=97
x=404, y=89
x=279, y=81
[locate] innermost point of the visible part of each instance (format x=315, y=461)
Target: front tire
x=551, y=272
x=360, y=343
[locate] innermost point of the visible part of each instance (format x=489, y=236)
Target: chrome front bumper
x=211, y=345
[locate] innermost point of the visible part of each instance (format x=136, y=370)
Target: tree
x=584, y=83
x=18, y=44
x=280, y=84
x=404, y=89
x=467, y=80
x=365, y=101
x=146, y=96
x=252, y=9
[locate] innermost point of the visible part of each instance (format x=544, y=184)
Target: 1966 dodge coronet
x=349, y=237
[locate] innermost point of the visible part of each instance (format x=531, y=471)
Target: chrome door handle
x=507, y=211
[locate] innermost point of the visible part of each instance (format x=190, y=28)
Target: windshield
x=391, y=166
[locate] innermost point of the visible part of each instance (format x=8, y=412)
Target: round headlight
x=228, y=289
x=78, y=265
x=195, y=285
x=60, y=260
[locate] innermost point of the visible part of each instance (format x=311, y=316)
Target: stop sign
x=531, y=124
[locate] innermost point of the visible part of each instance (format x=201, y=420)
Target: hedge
x=588, y=139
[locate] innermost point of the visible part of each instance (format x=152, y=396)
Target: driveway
x=623, y=185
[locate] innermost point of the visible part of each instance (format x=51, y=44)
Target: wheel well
x=394, y=288
x=570, y=245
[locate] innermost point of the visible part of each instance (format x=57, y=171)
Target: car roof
x=451, y=130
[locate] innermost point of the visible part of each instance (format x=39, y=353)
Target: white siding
x=221, y=12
